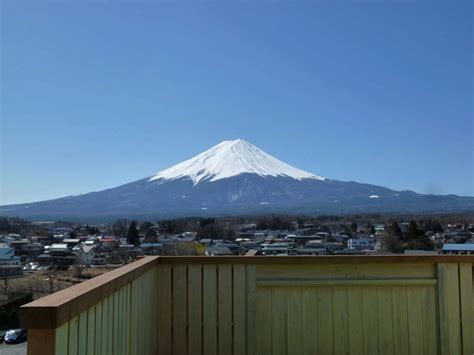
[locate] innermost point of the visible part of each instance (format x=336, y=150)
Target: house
x=458, y=248
x=90, y=255
x=8, y=257
x=310, y=251
x=215, y=250
x=359, y=243
x=275, y=248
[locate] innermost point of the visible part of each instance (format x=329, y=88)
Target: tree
x=145, y=227
x=132, y=234
x=395, y=229
x=150, y=236
x=413, y=231
x=354, y=227
x=392, y=240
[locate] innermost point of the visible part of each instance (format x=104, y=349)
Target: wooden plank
x=340, y=271
x=210, y=310
x=105, y=330
x=325, y=321
x=73, y=336
x=240, y=310
x=356, y=319
x=82, y=337
x=340, y=321
x=344, y=283
x=98, y=327
x=224, y=316
x=264, y=321
x=449, y=314
x=400, y=320
x=116, y=324
x=195, y=309
x=61, y=341
x=279, y=321
x=54, y=310
x=90, y=350
x=310, y=321
x=46, y=341
x=415, y=321
x=370, y=323
x=164, y=309
x=467, y=307
x=110, y=325
x=295, y=321
x=251, y=310
x=385, y=321
x=124, y=320
x=430, y=323
x=326, y=259
x=179, y=308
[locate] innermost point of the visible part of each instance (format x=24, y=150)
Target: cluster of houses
x=64, y=247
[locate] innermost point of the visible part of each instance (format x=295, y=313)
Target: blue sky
x=98, y=94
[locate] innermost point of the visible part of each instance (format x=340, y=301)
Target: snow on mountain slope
x=231, y=158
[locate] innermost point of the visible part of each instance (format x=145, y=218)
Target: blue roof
x=8, y=253
x=458, y=247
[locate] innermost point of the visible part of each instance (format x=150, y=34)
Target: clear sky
x=98, y=94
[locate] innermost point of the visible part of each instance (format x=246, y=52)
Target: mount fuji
x=235, y=178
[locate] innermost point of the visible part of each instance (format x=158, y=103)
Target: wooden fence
x=263, y=305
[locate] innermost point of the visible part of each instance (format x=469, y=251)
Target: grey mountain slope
x=241, y=194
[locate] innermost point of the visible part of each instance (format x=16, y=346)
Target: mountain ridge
x=232, y=178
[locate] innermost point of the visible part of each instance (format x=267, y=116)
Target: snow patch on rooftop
x=231, y=158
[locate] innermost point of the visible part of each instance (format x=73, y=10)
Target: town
x=34, y=246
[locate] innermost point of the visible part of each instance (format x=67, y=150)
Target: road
x=13, y=349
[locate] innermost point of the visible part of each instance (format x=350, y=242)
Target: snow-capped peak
x=231, y=158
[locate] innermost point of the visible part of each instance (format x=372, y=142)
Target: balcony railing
x=263, y=305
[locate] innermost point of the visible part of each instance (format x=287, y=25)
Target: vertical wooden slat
x=325, y=321
x=116, y=324
x=340, y=321
x=400, y=320
x=467, y=307
x=194, y=309
x=385, y=321
x=295, y=321
x=225, y=309
x=210, y=309
x=154, y=330
x=356, y=330
x=105, y=330
x=415, y=320
x=430, y=324
x=164, y=309
x=264, y=321
x=98, y=328
x=449, y=315
x=110, y=326
x=251, y=310
x=133, y=349
x=141, y=317
x=128, y=324
x=279, y=320
x=310, y=321
x=73, y=335
x=179, y=309
x=240, y=310
x=124, y=317
x=82, y=339
x=370, y=323
x=90, y=331
x=60, y=344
